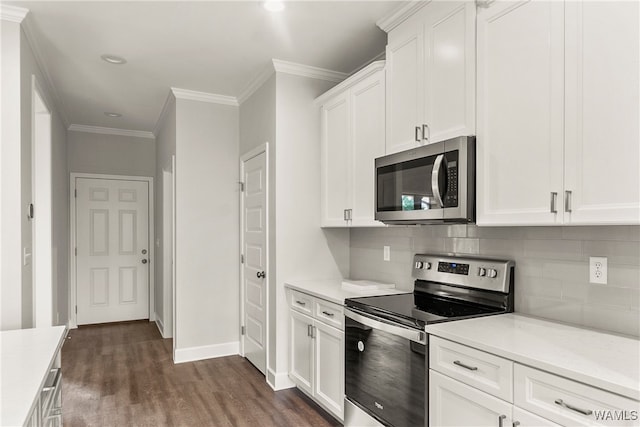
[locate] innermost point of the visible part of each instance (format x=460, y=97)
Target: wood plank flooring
x=122, y=374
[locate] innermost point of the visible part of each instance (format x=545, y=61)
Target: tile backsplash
x=552, y=266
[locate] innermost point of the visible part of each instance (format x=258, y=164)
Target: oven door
x=385, y=370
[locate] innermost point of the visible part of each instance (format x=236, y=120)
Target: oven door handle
x=410, y=334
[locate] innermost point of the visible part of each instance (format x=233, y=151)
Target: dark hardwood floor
x=122, y=374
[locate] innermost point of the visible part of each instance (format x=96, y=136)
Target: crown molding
x=397, y=16
x=256, y=83
x=165, y=109
x=308, y=71
x=111, y=131
x=370, y=69
x=378, y=57
x=61, y=108
x=13, y=13
x=213, y=98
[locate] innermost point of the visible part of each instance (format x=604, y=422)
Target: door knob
x=144, y=261
x=261, y=275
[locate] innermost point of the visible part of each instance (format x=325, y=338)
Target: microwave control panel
x=451, y=193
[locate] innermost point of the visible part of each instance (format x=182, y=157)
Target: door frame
x=263, y=148
x=73, y=320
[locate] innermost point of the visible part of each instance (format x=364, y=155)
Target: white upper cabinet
x=520, y=103
x=353, y=129
x=431, y=75
x=558, y=107
x=602, y=135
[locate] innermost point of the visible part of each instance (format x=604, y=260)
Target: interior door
x=112, y=240
x=254, y=249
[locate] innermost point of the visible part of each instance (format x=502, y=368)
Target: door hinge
x=242, y=330
x=75, y=193
x=241, y=186
x=76, y=309
x=241, y=258
x=76, y=251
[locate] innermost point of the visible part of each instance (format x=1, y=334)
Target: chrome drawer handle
x=573, y=408
x=326, y=313
x=501, y=419
x=459, y=363
x=302, y=303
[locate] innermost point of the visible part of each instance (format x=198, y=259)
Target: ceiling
x=209, y=46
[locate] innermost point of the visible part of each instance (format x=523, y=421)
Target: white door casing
x=253, y=238
x=111, y=225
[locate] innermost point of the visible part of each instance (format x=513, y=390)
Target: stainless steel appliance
x=386, y=346
x=434, y=183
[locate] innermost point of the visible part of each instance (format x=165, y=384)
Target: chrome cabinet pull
x=484, y=3
x=326, y=313
x=501, y=419
x=417, y=137
x=515, y=423
x=459, y=363
x=426, y=136
x=346, y=215
x=309, y=333
x=567, y=201
x=302, y=303
x=573, y=408
x=554, y=197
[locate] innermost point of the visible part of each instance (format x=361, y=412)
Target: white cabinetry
x=469, y=387
x=558, y=113
x=353, y=123
x=316, y=345
x=431, y=75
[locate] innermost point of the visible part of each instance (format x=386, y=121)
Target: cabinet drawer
x=301, y=302
x=569, y=402
x=329, y=313
x=484, y=371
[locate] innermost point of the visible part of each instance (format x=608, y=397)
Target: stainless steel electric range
x=386, y=357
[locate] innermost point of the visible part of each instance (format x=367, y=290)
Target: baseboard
x=279, y=381
x=191, y=354
x=160, y=326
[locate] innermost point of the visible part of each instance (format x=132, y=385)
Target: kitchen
x=545, y=206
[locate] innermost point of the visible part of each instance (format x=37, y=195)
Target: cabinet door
x=335, y=160
x=602, y=130
x=367, y=141
x=520, y=112
x=527, y=419
x=301, y=357
x=452, y=403
x=329, y=364
x=404, y=103
x=450, y=69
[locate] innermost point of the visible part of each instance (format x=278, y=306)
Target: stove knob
x=482, y=271
x=426, y=266
x=418, y=265
x=492, y=273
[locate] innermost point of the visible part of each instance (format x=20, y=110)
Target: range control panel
x=481, y=273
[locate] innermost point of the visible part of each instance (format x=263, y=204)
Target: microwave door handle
x=435, y=175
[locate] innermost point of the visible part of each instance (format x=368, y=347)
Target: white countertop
x=607, y=361
x=331, y=290
x=25, y=357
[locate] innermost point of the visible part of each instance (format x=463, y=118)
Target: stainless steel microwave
x=431, y=184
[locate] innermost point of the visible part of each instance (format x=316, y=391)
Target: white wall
x=165, y=149
x=111, y=154
x=207, y=226
x=11, y=200
x=18, y=67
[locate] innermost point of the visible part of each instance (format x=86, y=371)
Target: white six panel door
x=112, y=238
x=255, y=263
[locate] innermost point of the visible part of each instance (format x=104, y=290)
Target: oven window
x=385, y=374
x=406, y=186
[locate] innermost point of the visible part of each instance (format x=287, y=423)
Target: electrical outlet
x=386, y=253
x=598, y=270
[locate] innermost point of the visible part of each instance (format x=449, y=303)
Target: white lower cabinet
x=462, y=392
x=316, y=352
